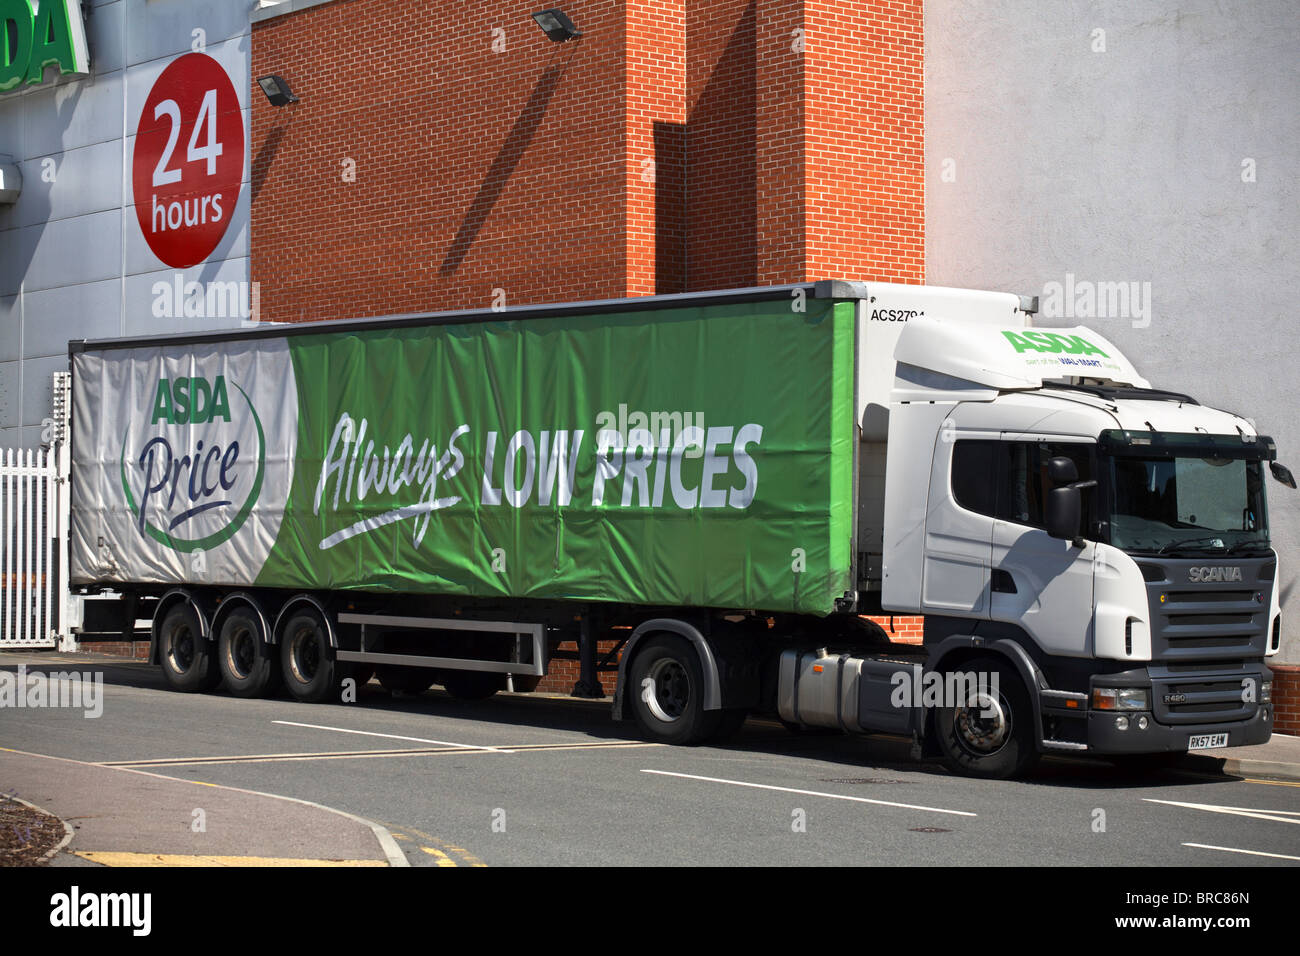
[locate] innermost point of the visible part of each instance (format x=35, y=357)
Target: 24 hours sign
x=188, y=161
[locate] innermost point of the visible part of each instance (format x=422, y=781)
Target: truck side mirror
x=1064, y=511
x=1062, y=471
x=1282, y=473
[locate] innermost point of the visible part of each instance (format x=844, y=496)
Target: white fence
x=31, y=571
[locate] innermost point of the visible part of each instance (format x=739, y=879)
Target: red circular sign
x=189, y=160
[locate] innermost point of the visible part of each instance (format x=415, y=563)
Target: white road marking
x=371, y=733
x=1233, y=849
x=811, y=793
x=1291, y=816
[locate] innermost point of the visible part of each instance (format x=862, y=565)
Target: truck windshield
x=1165, y=505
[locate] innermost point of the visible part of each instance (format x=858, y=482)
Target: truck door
x=1042, y=583
x=958, y=527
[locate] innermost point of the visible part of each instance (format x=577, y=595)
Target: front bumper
x=1105, y=738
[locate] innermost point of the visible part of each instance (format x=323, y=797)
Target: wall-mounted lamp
x=11, y=183
x=556, y=25
x=276, y=90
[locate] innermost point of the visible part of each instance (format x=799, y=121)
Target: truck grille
x=1213, y=621
x=1201, y=701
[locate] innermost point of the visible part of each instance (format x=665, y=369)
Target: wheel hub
x=669, y=690
x=983, y=724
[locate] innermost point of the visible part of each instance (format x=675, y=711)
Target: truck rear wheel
x=247, y=662
x=306, y=658
x=666, y=684
x=188, y=662
x=992, y=734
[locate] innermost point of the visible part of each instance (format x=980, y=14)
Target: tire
x=405, y=680
x=729, y=724
x=248, y=664
x=189, y=663
x=998, y=747
x=472, y=685
x=306, y=658
x=666, y=686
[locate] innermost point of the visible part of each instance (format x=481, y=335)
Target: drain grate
x=859, y=781
x=928, y=830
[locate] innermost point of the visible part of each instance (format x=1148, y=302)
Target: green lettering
x=17, y=23
x=162, y=403
x=1044, y=340
x=1087, y=348
x=1019, y=342
x=180, y=401
x=201, y=410
x=58, y=39
x=220, y=403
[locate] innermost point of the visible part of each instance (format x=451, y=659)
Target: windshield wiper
x=1187, y=543
x=1248, y=546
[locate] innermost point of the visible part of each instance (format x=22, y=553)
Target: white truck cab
x=1102, y=544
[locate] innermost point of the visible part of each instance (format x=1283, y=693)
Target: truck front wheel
x=990, y=733
x=306, y=658
x=188, y=661
x=666, y=684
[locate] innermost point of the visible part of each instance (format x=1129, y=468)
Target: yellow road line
x=1271, y=783
x=443, y=859
x=179, y=859
x=467, y=858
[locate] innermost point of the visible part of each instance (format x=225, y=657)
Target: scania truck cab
x=1097, y=547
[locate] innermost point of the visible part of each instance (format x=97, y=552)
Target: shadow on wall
x=721, y=195
x=507, y=158
x=670, y=207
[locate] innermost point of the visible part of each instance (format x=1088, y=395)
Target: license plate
x=1207, y=741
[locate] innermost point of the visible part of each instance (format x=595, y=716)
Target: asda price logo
x=1052, y=342
x=193, y=470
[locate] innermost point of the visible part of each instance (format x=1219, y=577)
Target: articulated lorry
x=723, y=485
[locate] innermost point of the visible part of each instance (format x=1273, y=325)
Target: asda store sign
x=37, y=34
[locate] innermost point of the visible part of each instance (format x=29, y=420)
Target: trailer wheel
x=247, y=662
x=306, y=658
x=666, y=684
x=992, y=734
x=188, y=663
x=472, y=685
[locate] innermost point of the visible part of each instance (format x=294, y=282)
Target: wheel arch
x=234, y=600
x=679, y=628
x=953, y=651
x=297, y=603
x=165, y=603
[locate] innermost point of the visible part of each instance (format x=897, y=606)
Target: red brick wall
x=137, y=650
x=1286, y=698
x=903, y=629
x=475, y=170
x=721, y=85
x=656, y=146
x=865, y=139
x=779, y=166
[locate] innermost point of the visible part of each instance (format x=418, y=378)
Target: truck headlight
x=1266, y=692
x=1121, y=698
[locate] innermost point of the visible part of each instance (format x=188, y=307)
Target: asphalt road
x=528, y=780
